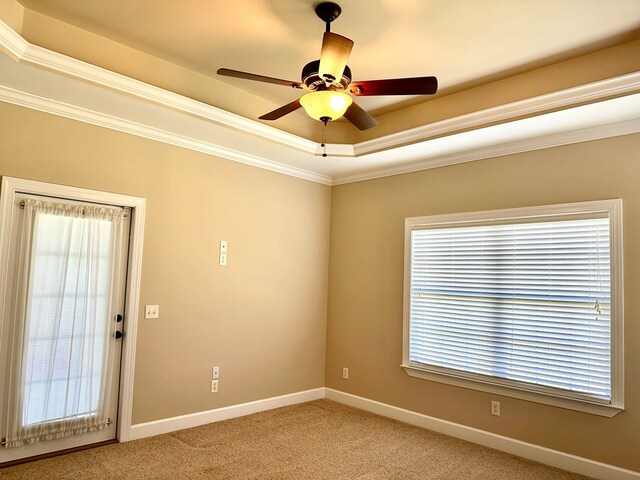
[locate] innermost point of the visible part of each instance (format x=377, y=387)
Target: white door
x=61, y=327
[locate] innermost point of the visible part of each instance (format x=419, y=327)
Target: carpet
x=314, y=440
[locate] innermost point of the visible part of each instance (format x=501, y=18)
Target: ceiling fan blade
x=282, y=111
x=396, y=86
x=359, y=117
x=334, y=56
x=258, y=78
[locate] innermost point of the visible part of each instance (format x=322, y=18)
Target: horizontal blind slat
x=527, y=302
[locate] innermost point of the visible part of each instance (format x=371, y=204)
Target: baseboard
x=555, y=458
x=530, y=451
x=166, y=425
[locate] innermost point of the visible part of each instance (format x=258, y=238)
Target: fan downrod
x=328, y=12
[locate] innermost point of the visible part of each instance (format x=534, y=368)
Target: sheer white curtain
x=62, y=339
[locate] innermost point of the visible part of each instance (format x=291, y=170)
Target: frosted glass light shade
x=326, y=104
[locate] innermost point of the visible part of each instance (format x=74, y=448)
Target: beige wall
x=366, y=287
x=262, y=318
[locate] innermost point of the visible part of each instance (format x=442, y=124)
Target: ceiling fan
x=328, y=78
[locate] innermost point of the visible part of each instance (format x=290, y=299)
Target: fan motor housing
x=314, y=82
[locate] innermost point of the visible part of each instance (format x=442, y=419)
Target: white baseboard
x=555, y=458
x=537, y=453
x=166, y=425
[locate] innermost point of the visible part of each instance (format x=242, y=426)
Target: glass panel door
x=60, y=342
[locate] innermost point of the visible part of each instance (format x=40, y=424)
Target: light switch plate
x=223, y=246
x=151, y=311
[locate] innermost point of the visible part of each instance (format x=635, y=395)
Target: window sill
x=547, y=399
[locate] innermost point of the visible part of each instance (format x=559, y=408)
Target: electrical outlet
x=151, y=311
x=216, y=373
x=223, y=259
x=345, y=373
x=495, y=408
x=214, y=386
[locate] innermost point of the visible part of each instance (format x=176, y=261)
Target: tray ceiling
x=463, y=42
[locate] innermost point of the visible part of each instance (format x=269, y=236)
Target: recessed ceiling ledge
x=583, y=94
x=22, y=51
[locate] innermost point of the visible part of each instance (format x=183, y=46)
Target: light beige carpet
x=315, y=440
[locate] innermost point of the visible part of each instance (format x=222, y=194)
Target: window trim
x=613, y=208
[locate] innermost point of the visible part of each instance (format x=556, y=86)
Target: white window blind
x=521, y=302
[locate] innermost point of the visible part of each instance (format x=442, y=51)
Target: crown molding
x=335, y=150
x=73, y=112
x=25, y=52
x=94, y=95
x=12, y=42
x=583, y=94
x=499, y=150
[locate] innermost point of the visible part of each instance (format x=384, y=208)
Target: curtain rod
x=22, y=205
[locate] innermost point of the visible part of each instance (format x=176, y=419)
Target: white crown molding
x=336, y=150
x=12, y=42
x=499, y=150
x=613, y=87
x=127, y=126
x=25, y=52
x=73, y=112
x=80, y=94
x=548, y=456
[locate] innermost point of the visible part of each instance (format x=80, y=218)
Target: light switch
x=223, y=246
x=151, y=311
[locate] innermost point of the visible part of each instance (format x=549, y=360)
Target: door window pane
x=64, y=354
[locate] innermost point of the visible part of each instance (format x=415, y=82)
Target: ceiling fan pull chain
x=324, y=138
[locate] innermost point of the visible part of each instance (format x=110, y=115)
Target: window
x=522, y=302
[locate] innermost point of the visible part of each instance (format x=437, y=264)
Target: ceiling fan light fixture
x=329, y=104
x=328, y=77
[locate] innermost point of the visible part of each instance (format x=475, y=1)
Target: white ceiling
x=462, y=42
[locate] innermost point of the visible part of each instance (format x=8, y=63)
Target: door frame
x=9, y=188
